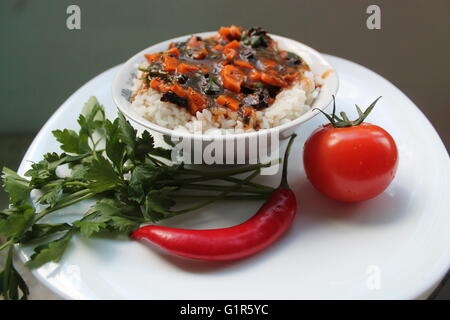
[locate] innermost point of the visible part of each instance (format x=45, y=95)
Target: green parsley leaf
x=51, y=251
x=93, y=224
x=17, y=187
x=161, y=152
x=168, y=139
x=158, y=203
x=18, y=219
x=51, y=194
x=11, y=281
x=144, y=145
x=71, y=141
x=107, y=214
x=44, y=171
x=114, y=147
x=103, y=175
x=91, y=118
x=79, y=172
x=43, y=230
x=127, y=134
x=142, y=178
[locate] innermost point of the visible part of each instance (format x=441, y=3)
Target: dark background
x=42, y=62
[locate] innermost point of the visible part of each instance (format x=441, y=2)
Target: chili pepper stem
x=284, y=182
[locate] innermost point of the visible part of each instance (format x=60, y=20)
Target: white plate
x=395, y=246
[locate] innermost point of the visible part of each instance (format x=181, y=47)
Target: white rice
x=289, y=104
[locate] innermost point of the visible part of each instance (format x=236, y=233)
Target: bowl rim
x=148, y=125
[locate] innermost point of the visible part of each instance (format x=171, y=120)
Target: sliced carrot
x=200, y=54
x=232, y=78
x=255, y=75
x=243, y=64
x=171, y=45
x=186, y=68
x=233, y=44
x=218, y=47
x=170, y=63
x=228, y=102
x=229, y=53
x=159, y=85
x=272, y=79
x=231, y=32
x=178, y=90
x=174, y=51
x=152, y=57
x=235, y=32
x=267, y=63
x=155, y=83
x=196, y=100
x=194, y=43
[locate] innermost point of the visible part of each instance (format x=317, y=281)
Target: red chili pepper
x=245, y=239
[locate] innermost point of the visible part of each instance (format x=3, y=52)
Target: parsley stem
x=233, y=197
x=216, y=175
x=230, y=179
x=249, y=183
x=222, y=188
x=218, y=197
x=6, y=244
x=43, y=213
x=7, y=275
x=76, y=183
x=74, y=195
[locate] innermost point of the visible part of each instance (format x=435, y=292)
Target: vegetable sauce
x=242, y=70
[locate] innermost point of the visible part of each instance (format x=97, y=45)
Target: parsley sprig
x=129, y=179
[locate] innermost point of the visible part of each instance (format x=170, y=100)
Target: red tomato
x=351, y=163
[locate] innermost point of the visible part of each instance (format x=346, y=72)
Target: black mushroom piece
x=155, y=70
x=181, y=78
x=170, y=96
x=256, y=37
x=258, y=100
x=291, y=59
x=247, y=54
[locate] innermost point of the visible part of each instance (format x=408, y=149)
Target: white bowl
x=122, y=83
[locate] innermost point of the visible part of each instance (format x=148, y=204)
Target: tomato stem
x=344, y=121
